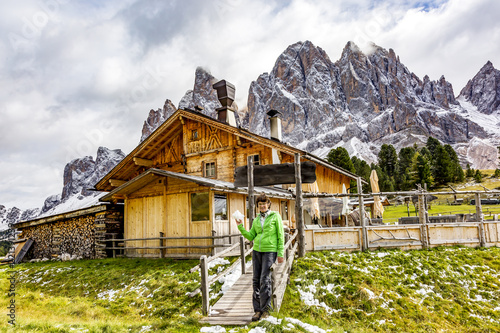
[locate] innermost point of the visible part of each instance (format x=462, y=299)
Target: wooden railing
x=281, y=273
x=206, y=282
x=120, y=244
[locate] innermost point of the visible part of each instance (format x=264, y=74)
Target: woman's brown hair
x=262, y=198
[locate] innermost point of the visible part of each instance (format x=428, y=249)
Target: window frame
x=227, y=205
x=207, y=163
x=191, y=206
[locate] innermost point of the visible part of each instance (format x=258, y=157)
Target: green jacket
x=272, y=239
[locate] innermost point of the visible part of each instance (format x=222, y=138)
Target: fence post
x=161, y=244
x=287, y=250
x=479, y=218
x=242, y=254
x=299, y=208
x=113, y=244
x=205, y=297
x=361, y=201
x=422, y=219
x=213, y=242
x=251, y=199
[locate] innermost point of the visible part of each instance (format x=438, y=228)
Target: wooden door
x=177, y=221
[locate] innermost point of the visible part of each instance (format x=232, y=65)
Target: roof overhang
x=153, y=174
x=63, y=216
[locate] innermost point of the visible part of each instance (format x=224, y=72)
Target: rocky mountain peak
x=483, y=90
x=369, y=97
x=156, y=118
x=202, y=94
x=438, y=92
x=81, y=174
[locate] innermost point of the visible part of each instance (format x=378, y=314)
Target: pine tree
x=385, y=182
x=403, y=177
x=443, y=172
x=478, y=177
x=363, y=170
x=388, y=159
x=458, y=172
x=469, y=173
x=432, y=144
x=421, y=171
x=497, y=173
x=340, y=157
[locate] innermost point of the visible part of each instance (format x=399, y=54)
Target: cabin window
x=200, y=207
x=256, y=159
x=220, y=206
x=209, y=169
x=284, y=210
x=194, y=135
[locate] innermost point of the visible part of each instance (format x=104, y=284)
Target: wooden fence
x=427, y=232
x=281, y=273
x=118, y=247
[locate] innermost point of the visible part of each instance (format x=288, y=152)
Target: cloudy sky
x=76, y=75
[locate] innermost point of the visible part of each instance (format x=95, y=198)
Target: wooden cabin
x=179, y=181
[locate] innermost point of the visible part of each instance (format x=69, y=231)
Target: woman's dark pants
x=262, y=290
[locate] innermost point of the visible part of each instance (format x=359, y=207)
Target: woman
x=268, y=236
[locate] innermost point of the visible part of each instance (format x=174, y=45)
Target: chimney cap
x=225, y=92
x=274, y=113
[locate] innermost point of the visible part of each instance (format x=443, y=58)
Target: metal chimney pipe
x=275, y=118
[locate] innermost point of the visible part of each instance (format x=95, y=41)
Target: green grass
x=439, y=290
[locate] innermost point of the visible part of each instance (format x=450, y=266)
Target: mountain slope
x=361, y=98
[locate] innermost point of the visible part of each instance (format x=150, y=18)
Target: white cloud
x=76, y=75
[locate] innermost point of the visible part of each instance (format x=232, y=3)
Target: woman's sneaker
x=256, y=316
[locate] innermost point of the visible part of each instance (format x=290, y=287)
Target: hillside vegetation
x=439, y=290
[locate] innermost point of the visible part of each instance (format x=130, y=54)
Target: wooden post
x=113, y=244
x=162, y=244
x=287, y=250
x=205, y=297
x=242, y=254
x=251, y=199
x=421, y=218
x=364, y=233
x=479, y=218
x=214, y=233
x=299, y=208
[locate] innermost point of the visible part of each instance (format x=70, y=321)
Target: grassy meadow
x=438, y=290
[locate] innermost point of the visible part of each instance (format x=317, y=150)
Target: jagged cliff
x=362, y=101
x=483, y=90
x=80, y=176
x=361, y=98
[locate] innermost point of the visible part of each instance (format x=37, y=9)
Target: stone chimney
x=275, y=118
x=225, y=94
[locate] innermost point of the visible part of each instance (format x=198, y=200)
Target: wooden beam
x=143, y=162
x=116, y=182
x=299, y=207
x=275, y=174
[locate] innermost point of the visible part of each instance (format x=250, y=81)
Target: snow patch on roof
x=74, y=202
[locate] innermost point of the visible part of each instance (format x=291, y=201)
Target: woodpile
x=81, y=236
